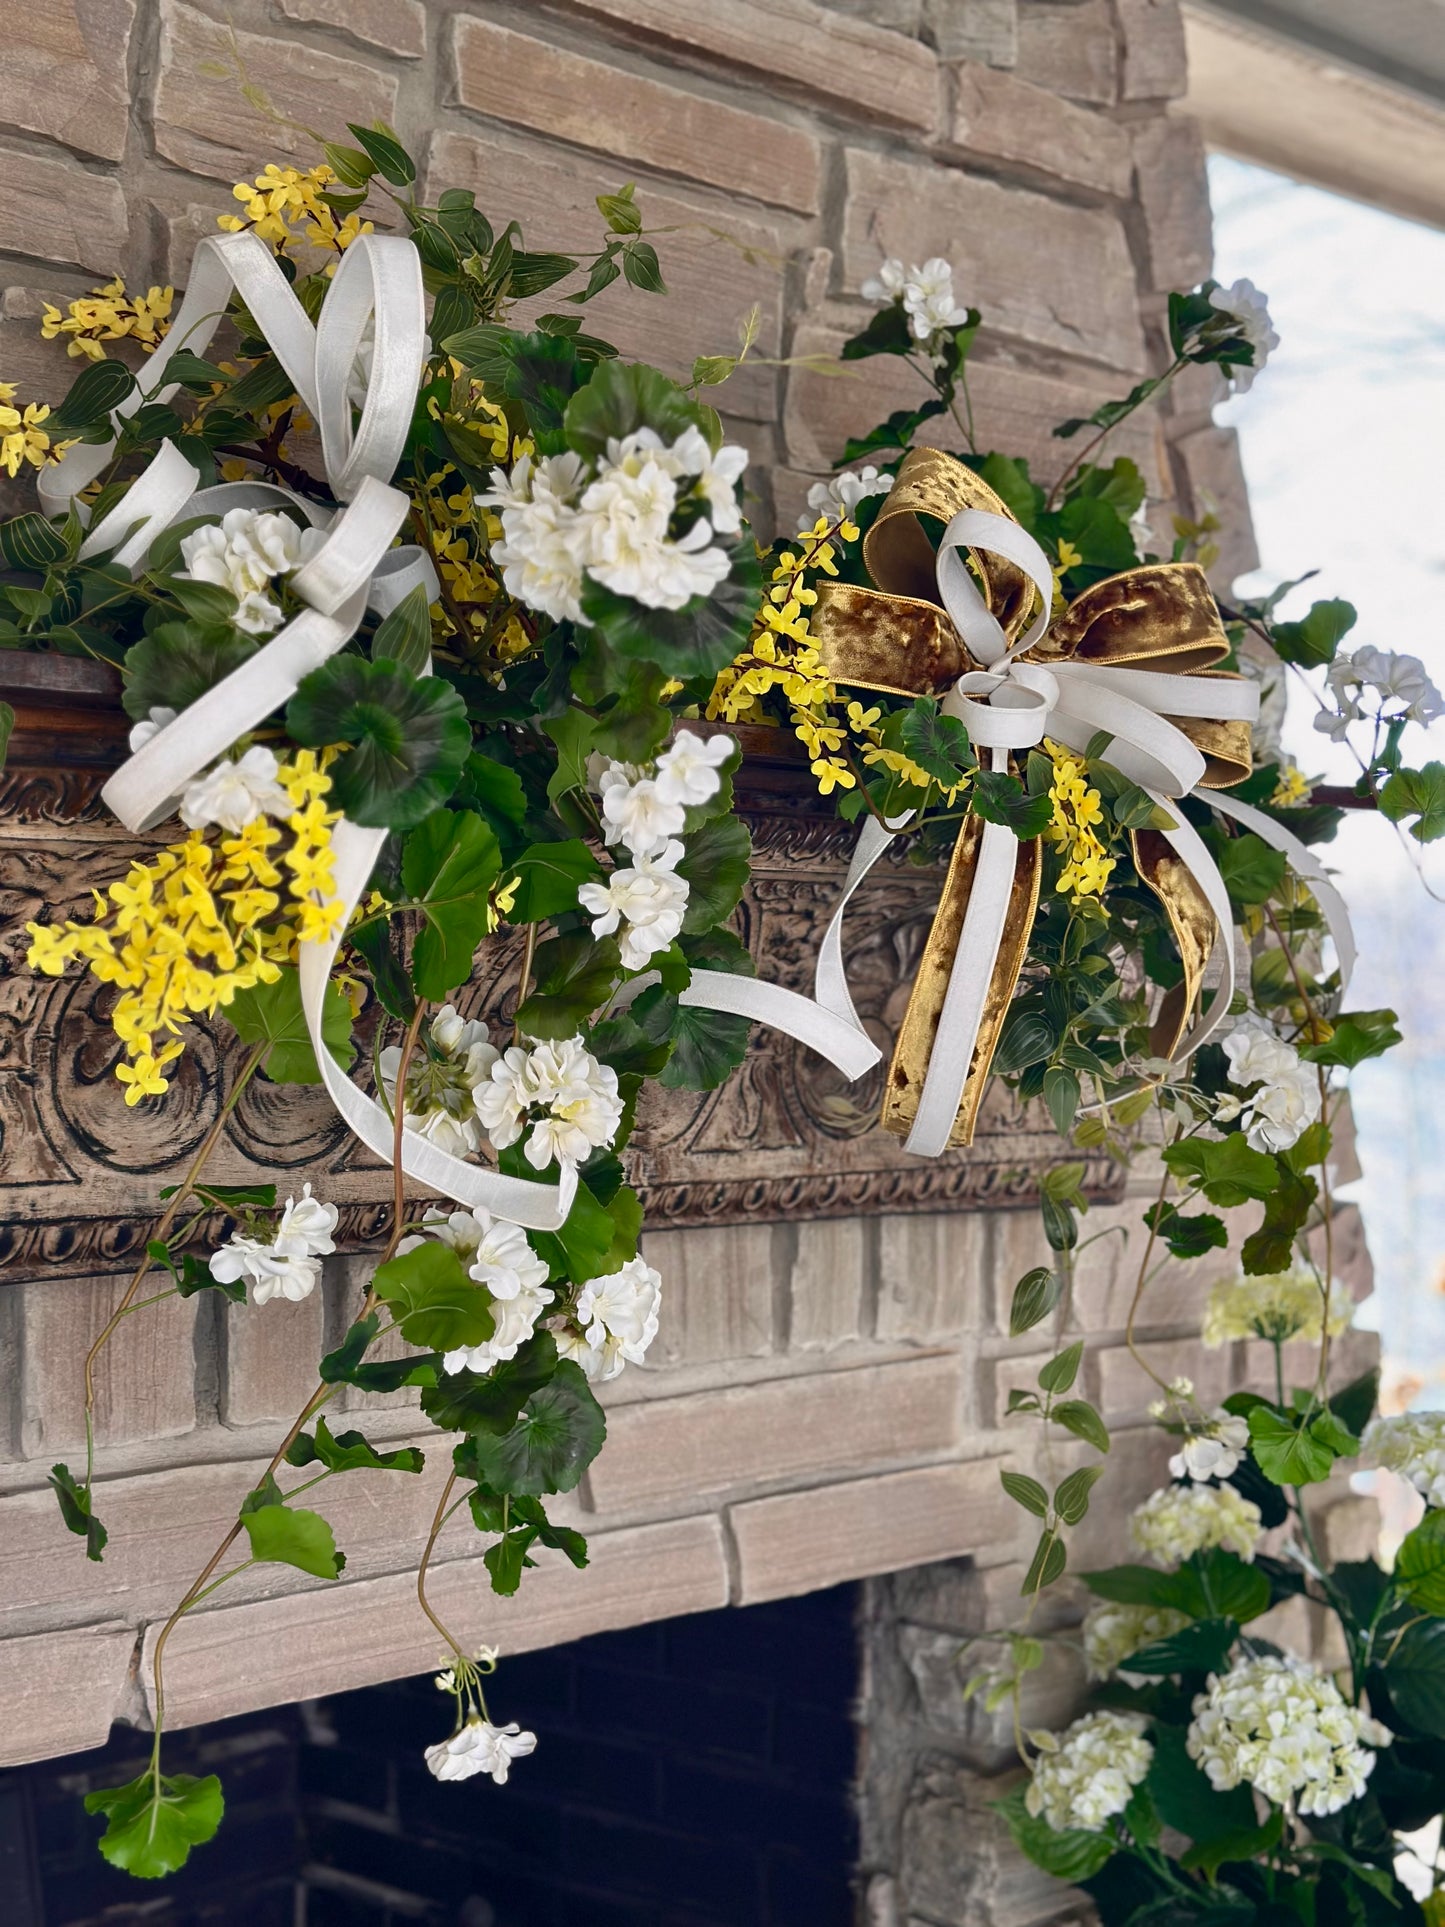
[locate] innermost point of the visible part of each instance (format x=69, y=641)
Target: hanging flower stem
x=439, y=1519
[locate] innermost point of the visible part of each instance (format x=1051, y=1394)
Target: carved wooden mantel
x=786, y=1137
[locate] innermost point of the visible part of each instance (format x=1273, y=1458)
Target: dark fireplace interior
x=693, y=1773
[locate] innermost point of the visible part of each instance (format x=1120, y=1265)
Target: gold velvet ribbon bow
x=1134, y=655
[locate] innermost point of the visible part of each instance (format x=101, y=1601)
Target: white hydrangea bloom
x=1279, y=1306
x=1412, y=1444
x=544, y=540
x=479, y=1747
x=306, y=1226
x=244, y=552
x=1281, y=1726
x=569, y=1099
x=1179, y=1520
x=635, y=811
x=1112, y=1632
x=838, y=498
x=440, y=1081
x=689, y=772
x=1287, y=1101
x=647, y=901
x=1212, y=1447
x=1243, y=304
x=618, y=1316
x=234, y=794
x=269, y=1271
x=159, y=718
x=1089, y=1773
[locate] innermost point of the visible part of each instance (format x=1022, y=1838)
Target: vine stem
x=199, y=1585
x=167, y=1219
x=1139, y=1284
x=1104, y=433
x=439, y=1519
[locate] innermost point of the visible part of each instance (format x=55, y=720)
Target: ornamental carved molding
x=785, y=1138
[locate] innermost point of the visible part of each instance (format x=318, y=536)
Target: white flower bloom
x=235, y=794
x=515, y=1319
x=1211, y=1448
x=440, y=1079
x=544, y=542
x=243, y=553
x=266, y=1268
x=561, y=1088
x=1412, y=1444
x=479, y=1747
x=159, y=718
x=688, y=772
x=1179, y=1520
x=1244, y=305
x=649, y=900
x=928, y=299
x=306, y=1226
x=618, y=1315
x=495, y=1253
x=1278, y=1114
x=1088, y=1774
x=716, y=476
x=1256, y=1052
x=1393, y=676
x=1281, y=1726
x=635, y=812
x=838, y=498
x=1279, y=1306
x=1113, y=1632
x=627, y=513
x=887, y=284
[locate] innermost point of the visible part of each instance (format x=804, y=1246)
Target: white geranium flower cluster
x=232, y=793
x=245, y=552
x=557, y=1093
x=1281, y=1726
x=1179, y=1520
x=1243, y=305
x=616, y=1320
x=1412, y=1444
x=647, y=899
x=1287, y=1098
x=1279, y=1306
x=1112, y=1632
x=561, y=522
x=1212, y=1446
x=456, y=1056
x=926, y=295
x=1086, y=1775
x=479, y=1747
x=288, y=1264
x=1394, y=677
x=839, y=496
x=498, y=1256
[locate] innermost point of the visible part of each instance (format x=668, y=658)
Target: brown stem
x=1140, y=1282
x=1104, y=433
x=524, y=982
x=461, y=628
x=438, y=1521
x=289, y=472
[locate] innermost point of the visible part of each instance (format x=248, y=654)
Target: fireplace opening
x=696, y=1772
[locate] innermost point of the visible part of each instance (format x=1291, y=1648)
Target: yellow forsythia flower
x=110, y=314
x=282, y=200
x=1077, y=808
x=23, y=437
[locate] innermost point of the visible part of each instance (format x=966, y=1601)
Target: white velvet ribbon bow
x=1010, y=705
x=377, y=282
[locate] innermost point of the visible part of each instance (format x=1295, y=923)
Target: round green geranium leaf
x=622, y=397
x=179, y=661
x=409, y=737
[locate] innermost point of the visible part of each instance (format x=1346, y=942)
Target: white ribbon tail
x=1306, y=865
x=846, y=1046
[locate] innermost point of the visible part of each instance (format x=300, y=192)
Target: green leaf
x=1354, y=1404
x=437, y=1305
x=1132, y=1585
x=1000, y=798
x=1061, y=1228
x=449, y=863
x=621, y=397
x=1247, y=1843
x=1288, y=1450
x=1202, y=1647
x=1357, y=1034
x=338, y=1367
x=1227, y=1171
x=1072, y=1854
x=505, y=1561
x=549, y=876
x=179, y=661
x=715, y=865
x=1416, y=1676
x=495, y=792
x=75, y=1509
x=557, y=1434
x=195, y=1276
x=1061, y=1371
x=1034, y=1297
x=205, y=602
x=99, y=387
x=1186, y=1237
x=1071, y=1497
x=1061, y=1096
x=385, y=152
x=490, y=1401
x=1026, y=1492
x=887, y=333
x=271, y=1014
x=1027, y=1038
x=1420, y=1565
x=937, y=743
x=707, y=1047
x=579, y=1250
x=404, y=636
x=1184, y=1797
x=572, y=732
x=620, y=211
x=642, y=268
x=151, y=1826
x=33, y=543
x=701, y=637
x=1270, y=1249
x=1217, y=1583
x=1252, y=871
x=349, y=1452
x=1047, y=1564
x=297, y=1538
x=574, y=976
x=1313, y=641
x=1076, y=1415
x=410, y=735
x=1419, y=793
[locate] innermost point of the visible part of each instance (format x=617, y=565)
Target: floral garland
x=533, y=723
